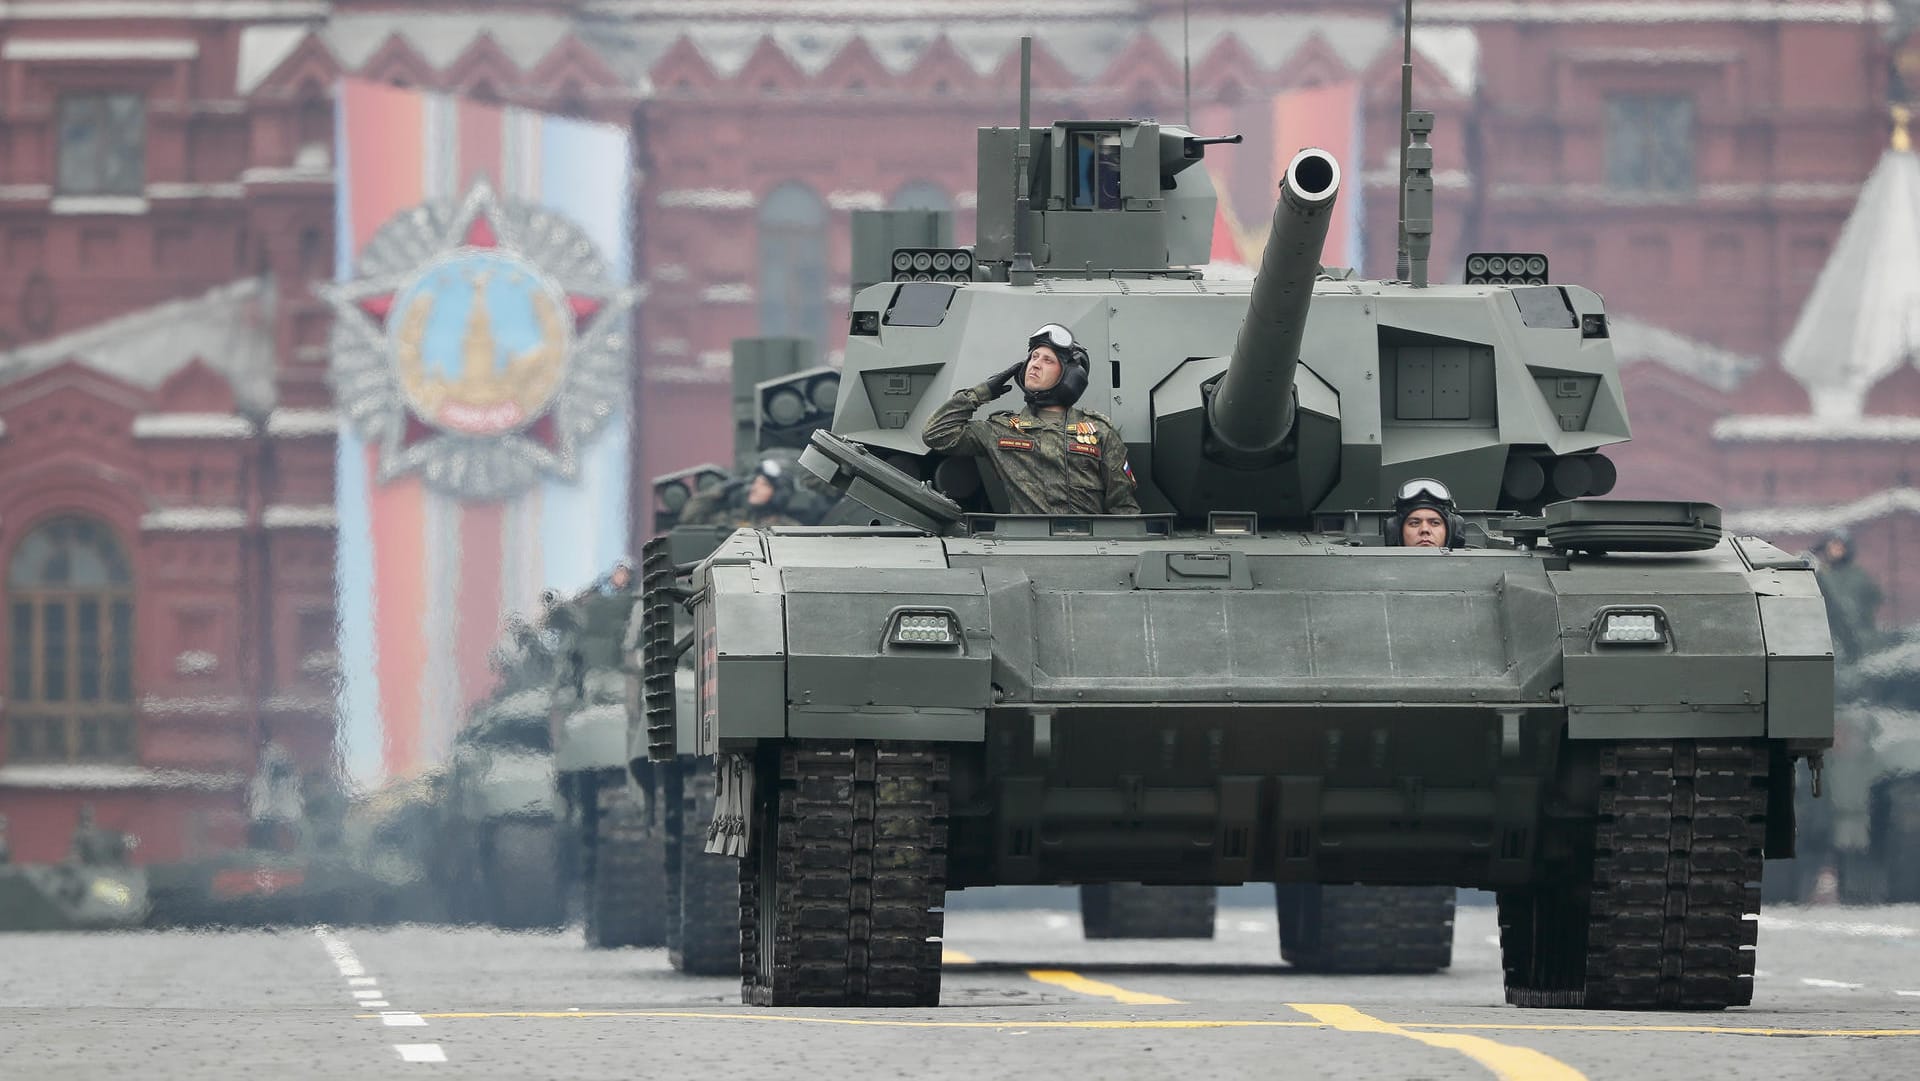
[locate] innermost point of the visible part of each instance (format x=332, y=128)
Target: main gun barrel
x=1251, y=410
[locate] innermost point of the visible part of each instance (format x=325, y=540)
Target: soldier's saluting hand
x=1055, y=458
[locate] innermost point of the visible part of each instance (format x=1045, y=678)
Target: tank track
x=702, y=937
x=842, y=892
x=1365, y=929
x=1656, y=917
x=657, y=658
x=1131, y=910
x=626, y=901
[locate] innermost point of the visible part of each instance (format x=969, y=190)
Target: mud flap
x=733, y=801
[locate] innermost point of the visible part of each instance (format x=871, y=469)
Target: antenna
x=1186, y=55
x=1021, y=272
x=1401, y=269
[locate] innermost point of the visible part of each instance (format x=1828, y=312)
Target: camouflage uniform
x=721, y=506
x=1071, y=463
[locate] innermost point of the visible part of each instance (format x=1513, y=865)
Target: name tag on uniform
x=1085, y=448
x=1007, y=442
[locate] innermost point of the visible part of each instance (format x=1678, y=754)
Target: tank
x=613, y=840
x=1592, y=707
x=71, y=896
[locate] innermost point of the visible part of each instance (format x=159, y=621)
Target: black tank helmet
x=1075, y=365
x=1428, y=494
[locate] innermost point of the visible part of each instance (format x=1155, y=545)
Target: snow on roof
x=230, y=328
x=194, y=518
x=1816, y=429
x=1719, y=368
x=63, y=775
x=1862, y=320
x=191, y=426
x=1775, y=521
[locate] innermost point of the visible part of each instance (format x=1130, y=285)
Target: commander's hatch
x=864, y=480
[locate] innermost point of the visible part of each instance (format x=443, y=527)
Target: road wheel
x=1365, y=928
x=1131, y=910
x=845, y=878
x=1651, y=912
x=626, y=870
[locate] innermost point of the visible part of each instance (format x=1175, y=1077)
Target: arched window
x=793, y=264
x=70, y=637
x=921, y=195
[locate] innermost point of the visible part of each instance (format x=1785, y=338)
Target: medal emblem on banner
x=482, y=344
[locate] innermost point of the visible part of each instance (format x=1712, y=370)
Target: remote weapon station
x=1592, y=707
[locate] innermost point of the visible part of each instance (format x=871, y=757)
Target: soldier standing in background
x=1852, y=596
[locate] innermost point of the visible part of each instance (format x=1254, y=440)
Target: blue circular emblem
x=480, y=339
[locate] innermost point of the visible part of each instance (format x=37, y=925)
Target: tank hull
x=1291, y=708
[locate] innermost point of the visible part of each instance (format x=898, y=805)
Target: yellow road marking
x=1079, y=984
x=1507, y=1063
x=950, y=956
x=1709, y=1030
x=1199, y=1023
x=863, y=1021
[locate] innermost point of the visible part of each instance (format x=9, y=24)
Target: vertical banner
x=1247, y=176
x=481, y=359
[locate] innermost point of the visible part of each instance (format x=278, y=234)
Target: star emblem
x=483, y=342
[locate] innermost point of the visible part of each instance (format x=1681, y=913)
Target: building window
x=921, y=195
x=103, y=144
x=1650, y=143
x=70, y=656
x=793, y=264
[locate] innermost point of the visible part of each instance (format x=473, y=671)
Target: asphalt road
x=1024, y=996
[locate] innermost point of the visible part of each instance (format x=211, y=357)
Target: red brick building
x=167, y=458
x=166, y=203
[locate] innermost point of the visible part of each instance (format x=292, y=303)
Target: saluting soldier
x=1055, y=458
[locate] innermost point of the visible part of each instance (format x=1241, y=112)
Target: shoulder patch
x=1102, y=419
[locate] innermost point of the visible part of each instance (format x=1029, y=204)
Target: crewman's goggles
x=1053, y=334
x=1424, y=489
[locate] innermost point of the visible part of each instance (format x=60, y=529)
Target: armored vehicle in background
x=1592, y=707
x=499, y=853
x=613, y=841
x=779, y=399
x=96, y=890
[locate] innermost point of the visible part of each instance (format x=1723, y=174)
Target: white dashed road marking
x=367, y=995
x=1839, y=985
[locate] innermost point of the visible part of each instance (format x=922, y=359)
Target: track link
x=704, y=939
x=1365, y=929
x=1656, y=918
x=842, y=892
x=626, y=874
x=1131, y=910
x=657, y=657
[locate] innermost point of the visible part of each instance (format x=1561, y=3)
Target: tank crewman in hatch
x=1424, y=517
x=758, y=499
x=1055, y=459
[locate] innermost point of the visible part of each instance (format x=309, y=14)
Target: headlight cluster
x=924, y=629
x=1632, y=628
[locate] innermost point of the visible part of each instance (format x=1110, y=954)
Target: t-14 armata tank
x=1592, y=707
